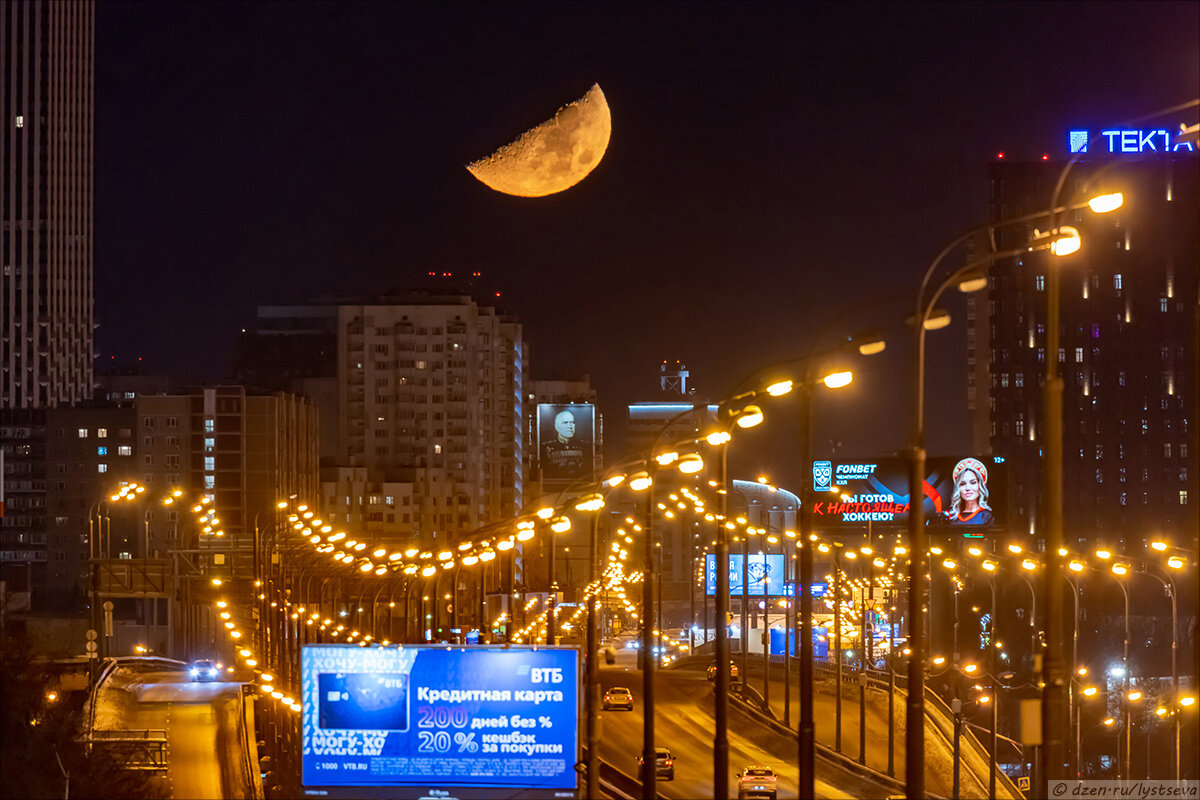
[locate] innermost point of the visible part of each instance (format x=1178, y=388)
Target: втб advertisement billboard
x=436, y=717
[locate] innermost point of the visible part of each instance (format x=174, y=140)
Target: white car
x=203, y=670
x=757, y=783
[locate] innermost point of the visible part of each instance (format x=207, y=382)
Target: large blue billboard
x=765, y=572
x=412, y=716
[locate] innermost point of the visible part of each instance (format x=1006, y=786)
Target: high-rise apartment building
x=421, y=399
x=59, y=464
x=244, y=450
x=1127, y=355
x=46, y=127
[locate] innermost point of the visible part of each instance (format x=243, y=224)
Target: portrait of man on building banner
x=566, y=442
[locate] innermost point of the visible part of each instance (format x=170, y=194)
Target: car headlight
x=212, y=673
x=193, y=672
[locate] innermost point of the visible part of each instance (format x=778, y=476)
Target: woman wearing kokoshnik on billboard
x=969, y=502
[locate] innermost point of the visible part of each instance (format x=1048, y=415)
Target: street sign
x=91, y=647
x=91, y=635
x=1023, y=783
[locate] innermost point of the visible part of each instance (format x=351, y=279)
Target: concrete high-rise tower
x=46, y=135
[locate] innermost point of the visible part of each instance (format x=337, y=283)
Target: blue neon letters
x=1128, y=141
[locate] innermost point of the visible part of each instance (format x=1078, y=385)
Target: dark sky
x=770, y=167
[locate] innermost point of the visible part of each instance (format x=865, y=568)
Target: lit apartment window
x=82, y=433
x=210, y=463
x=1183, y=497
x=102, y=468
x=20, y=121
x=101, y=433
x=101, y=451
x=210, y=482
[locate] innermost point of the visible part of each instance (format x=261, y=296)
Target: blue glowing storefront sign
x=1119, y=141
x=413, y=716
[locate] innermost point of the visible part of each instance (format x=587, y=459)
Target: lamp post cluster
x=1103, y=561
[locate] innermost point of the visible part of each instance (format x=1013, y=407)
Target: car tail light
x=670, y=761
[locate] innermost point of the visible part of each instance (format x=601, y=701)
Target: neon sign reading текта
x=1124, y=141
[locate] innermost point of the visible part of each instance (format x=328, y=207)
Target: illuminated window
x=1040, y=282
x=82, y=433
x=103, y=451
x=1162, y=304
x=1078, y=355
x=102, y=468
x=1183, y=497
x=124, y=450
x=20, y=120
x=101, y=433
x=209, y=425
x=1117, y=281
x=210, y=482
x=210, y=463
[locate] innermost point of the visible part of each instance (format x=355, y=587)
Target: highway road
x=684, y=723
x=204, y=753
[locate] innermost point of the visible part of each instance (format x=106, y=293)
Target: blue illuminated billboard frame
x=858, y=493
x=766, y=574
x=476, y=720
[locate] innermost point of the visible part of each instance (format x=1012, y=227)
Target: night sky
x=771, y=167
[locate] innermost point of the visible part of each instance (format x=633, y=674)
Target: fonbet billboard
x=968, y=492
x=422, y=717
x=566, y=442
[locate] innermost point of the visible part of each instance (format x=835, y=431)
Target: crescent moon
x=555, y=155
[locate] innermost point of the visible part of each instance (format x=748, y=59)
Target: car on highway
x=203, y=670
x=618, y=697
x=712, y=670
x=757, y=783
x=664, y=764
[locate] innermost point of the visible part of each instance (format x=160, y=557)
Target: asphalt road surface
x=204, y=755
x=684, y=724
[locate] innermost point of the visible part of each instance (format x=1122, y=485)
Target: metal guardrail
x=892, y=785
x=138, y=750
x=613, y=782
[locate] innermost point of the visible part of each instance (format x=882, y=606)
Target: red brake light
x=670, y=761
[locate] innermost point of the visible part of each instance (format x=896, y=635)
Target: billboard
x=963, y=491
x=429, y=716
x=765, y=572
x=566, y=442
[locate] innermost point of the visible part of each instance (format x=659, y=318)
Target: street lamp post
x=806, y=739
x=649, y=773
x=720, y=735
x=837, y=647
